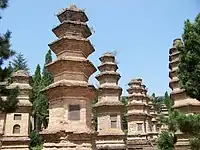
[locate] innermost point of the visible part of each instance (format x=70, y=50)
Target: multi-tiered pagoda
x=109, y=108
x=181, y=100
x=17, y=123
x=70, y=95
x=138, y=117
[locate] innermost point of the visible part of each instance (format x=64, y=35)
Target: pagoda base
x=182, y=142
x=111, y=140
x=15, y=143
x=69, y=141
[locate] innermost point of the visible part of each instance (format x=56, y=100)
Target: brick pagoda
x=70, y=95
x=109, y=108
x=138, y=115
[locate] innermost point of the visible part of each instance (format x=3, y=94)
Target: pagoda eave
x=108, y=73
x=72, y=64
x=107, y=64
x=62, y=15
x=68, y=88
x=109, y=104
x=107, y=55
x=138, y=114
x=75, y=43
x=134, y=89
x=65, y=26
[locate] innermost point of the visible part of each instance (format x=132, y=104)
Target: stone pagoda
x=109, y=108
x=154, y=122
x=70, y=95
x=17, y=123
x=138, y=117
x=182, y=102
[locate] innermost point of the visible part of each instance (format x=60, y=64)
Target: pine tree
x=20, y=63
x=5, y=53
x=189, y=68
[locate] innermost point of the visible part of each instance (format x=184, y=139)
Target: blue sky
x=140, y=31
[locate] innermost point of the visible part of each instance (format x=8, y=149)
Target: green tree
x=40, y=102
x=167, y=139
x=188, y=124
x=189, y=68
x=5, y=53
x=20, y=63
x=36, y=95
x=47, y=76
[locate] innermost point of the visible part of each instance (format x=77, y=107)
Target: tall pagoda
x=138, y=115
x=17, y=123
x=181, y=100
x=70, y=95
x=109, y=108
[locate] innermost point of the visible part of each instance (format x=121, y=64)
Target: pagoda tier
x=109, y=107
x=70, y=95
x=71, y=68
x=72, y=46
x=181, y=100
x=73, y=28
x=73, y=14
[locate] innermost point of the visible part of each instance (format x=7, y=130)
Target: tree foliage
x=165, y=141
x=189, y=68
x=9, y=103
x=20, y=63
x=157, y=103
x=40, y=102
x=188, y=124
x=124, y=121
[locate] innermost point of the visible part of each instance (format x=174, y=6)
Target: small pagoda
x=17, y=123
x=154, y=122
x=182, y=102
x=109, y=108
x=70, y=96
x=138, y=115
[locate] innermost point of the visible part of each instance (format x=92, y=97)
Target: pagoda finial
x=73, y=7
x=177, y=42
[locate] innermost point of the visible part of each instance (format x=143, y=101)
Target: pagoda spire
x=109, y=107
x=70, y=96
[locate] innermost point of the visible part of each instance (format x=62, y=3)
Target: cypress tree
x=47, y=76
x=36, y=96
x=189, y=68
x=47, y=79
